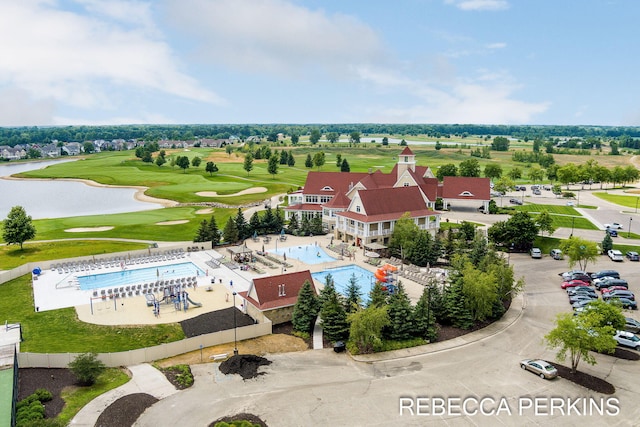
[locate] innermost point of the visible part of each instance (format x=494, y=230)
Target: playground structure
x=174, y=294
x=387, y=276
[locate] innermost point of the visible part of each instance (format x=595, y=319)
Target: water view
x=59, y=199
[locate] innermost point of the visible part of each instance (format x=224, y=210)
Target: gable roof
x=385, y=204
x=338, y=201
x=265, y=292
x=336, y=181
x=407, y=151
x=460, y=187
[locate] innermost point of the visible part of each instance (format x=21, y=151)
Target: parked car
x=613, y=225
x=537, y=192
x=548, y=187
x=615, y=255
x=582, y=303
x=515, y=201
x=631, y=325
x=573, y=283
x=543, y=369
x=582, y=297
x=535, y=253
x=496, y=194
x=580, y=290
x=570, y=203
x=605, y=273
x=581, y=276
x=624, y=302
x=633, y=256
x=556, y=254
x=608, y=282
x=618, y=293
x=611, y=232
x=627, y=339
x=567, y=274
x=613, y=288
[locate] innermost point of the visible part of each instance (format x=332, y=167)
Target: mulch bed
x=589, y=381
x=240, y=417
x=54, y=380
x=246, y=365
x=172, y=376
x=215, y=321
x=625, y=354
x=125, y=411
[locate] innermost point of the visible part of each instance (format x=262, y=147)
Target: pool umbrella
x=282, y=232
x=157, y=273
x=263, y=247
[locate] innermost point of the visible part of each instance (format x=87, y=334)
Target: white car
x=627, y=339
x=536, y=253
x=615, y=255
x=614, y=225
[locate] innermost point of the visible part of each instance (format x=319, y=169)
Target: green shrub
x=87, y=368
x=43, y=395
x=183, y=376
x=236, y=423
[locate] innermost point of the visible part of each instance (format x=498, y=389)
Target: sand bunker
x=180, y=221
x=87, y=229
x=204, y=211
x=252, y=190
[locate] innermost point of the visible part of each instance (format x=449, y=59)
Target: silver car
x=627, y=339
x=632, y=325
x=543, y=369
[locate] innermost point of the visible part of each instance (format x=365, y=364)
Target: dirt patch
x=180, y=221
x=215, y=321
x=585, y=380
x=240, y=417
x=125, y=411
x=87, y=229
x=53, y=380
x=252, y=190
x=245, y=365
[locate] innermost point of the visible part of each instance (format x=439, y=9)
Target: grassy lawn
x=77, y=397
x=60, y=331
x=552, y=209
x=12, y=256
x=619, y=199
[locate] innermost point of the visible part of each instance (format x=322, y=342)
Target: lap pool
x=309, y=254
x=341, y=276
x=139, y=275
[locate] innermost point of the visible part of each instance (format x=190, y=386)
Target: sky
x=99, y=62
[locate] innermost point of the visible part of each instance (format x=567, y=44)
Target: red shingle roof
x=305, y=207
x=267, y=290
x=386, y=204
x=338, y=201
x=407, y=151
x=459, y=187
x=337, y=181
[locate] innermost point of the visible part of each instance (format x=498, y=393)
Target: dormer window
x=327, y=188
x=357, y=208
x=406, y=184
x=281, y=292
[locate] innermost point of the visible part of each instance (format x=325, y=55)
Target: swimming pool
x=139, y=275
x=309, y=254
x=341, y=276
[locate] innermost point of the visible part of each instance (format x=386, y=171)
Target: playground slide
x=197, y=304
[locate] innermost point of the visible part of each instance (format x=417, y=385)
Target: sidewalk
x=145, y=379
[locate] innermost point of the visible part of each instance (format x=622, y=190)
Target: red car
x=573, y=283
x=613, y=288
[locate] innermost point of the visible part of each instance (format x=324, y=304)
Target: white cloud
x=17, y=108
x=275, y=35
x=498, y=45
x=75, y=59
x=479, y=4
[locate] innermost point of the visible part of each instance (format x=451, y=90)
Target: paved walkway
x=317, y=335
x=145, y=379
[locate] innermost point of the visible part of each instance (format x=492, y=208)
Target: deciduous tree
x=18, y=227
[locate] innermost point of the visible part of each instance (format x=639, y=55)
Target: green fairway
x=60, y=331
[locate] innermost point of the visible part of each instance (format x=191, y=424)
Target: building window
x=281, y=292
x=406, y=184
x=357, y=208
x=406, y=159
x=325, y=199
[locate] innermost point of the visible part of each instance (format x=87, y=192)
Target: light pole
x=235, y=327
x=629, y=233
x=573, y=221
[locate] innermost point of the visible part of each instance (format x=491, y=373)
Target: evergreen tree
x=479, y=249
x=424, y=317
x=290, y=160
x=269, y=221
x=436, y=302
x=230, y=231
x=353, y=299
x=329, y=288
x=255, y=224
x=214, y=232
x=306, y=309
x=278, y=220
x=607, y=243
x=293, y=224
x=334, y=318
x=338, y=160
x=272, y=167
x=284, y=157
x=377, y=296
x=305, y=227
x=241, y=225
x=456, y=309
x=308, y=163
x=420, y=253
x=202, y=235
x=316, y=225
x=400, y=316
x=344, y=166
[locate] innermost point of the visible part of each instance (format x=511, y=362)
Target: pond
x=59, y=199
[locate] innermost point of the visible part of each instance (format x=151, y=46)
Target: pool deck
x=53, y=290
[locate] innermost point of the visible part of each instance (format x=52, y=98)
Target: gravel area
x=215, y=321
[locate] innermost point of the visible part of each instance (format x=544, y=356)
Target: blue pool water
x=139, y=275
x=342, y=275
x=309, y=254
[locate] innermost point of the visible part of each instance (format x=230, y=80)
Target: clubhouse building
x=362, y=208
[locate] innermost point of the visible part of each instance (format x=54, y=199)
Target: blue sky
x=567, y=62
